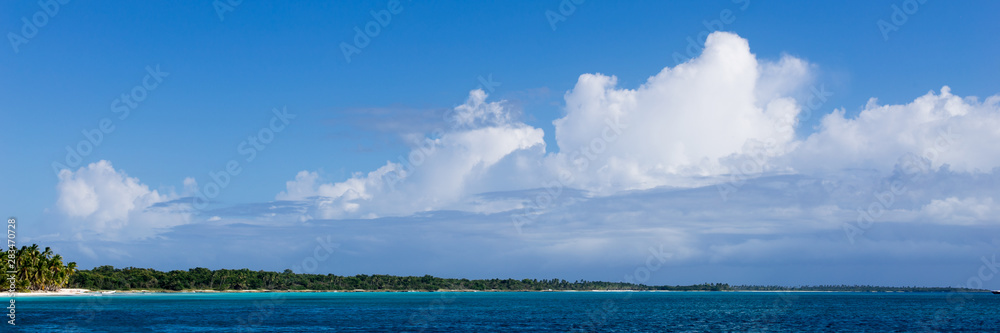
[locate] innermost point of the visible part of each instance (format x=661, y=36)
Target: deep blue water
x=511, y=312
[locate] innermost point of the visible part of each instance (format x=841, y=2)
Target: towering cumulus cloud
x=723, y=113
x=682, y=122
x=685, y=121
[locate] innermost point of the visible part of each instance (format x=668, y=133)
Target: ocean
x=511, y=312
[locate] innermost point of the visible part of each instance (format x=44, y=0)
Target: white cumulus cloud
x=471, y=157
x=684, y=121
x=933, y=130
x=953, y=210
x=690, y=120
x=699, y=123
x=99, y=200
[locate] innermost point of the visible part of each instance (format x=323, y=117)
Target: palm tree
x=69, y=271
x=39, y=270
x=55, y=272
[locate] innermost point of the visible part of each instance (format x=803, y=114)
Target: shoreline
x=61, y=292
x=87, y=292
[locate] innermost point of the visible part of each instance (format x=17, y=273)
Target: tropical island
x=42, y=270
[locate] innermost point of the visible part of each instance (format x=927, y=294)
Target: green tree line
x=131, y=278
x=44, y=270
x=110, y=278
x=35, y=269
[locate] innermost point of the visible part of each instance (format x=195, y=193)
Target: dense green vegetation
x=35, y=269
x=110, y=278
x=43, y=270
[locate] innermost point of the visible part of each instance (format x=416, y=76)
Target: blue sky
x=685, y=174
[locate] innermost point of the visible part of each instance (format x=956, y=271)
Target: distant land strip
x=131, y=279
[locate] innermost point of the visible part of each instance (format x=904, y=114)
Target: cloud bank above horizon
x=702, y=160
x=721, y=114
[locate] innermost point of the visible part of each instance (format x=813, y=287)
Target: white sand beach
x=61, y=292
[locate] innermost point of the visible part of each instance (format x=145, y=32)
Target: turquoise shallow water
x=511, y=312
